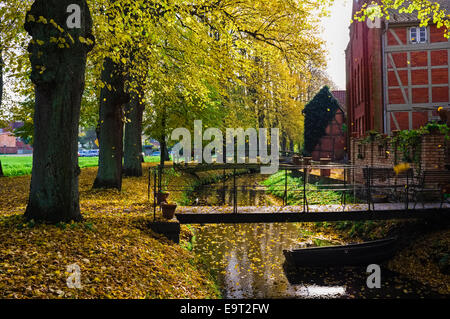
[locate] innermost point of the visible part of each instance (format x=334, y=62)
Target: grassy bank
x=118, y=256
x=424, y=253
x=276, y=184
x=22, y=165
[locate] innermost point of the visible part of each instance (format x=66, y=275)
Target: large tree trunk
x=58, y=75
x=110, y=135
x=132, y=164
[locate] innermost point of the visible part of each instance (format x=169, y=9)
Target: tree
x=11, y=35
x=132, y=164
x=1, y=96
x=58, y=59
x=426, y=10
x=112, y=100
x=203, y=39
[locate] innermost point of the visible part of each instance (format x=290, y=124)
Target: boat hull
x=366, y=253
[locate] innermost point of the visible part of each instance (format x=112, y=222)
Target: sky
x=336, y=34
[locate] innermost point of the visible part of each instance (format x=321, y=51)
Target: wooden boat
x=367, y=253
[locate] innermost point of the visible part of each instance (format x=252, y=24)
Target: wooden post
x=285, y=188
x=324, y=172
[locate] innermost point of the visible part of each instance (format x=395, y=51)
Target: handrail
x=347, y=186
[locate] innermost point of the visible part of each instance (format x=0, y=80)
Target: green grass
x=21, y=165
x=276, y=182
x=352, y=229
x=16, y=165
x=152, y=159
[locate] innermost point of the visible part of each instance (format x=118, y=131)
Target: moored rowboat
x=367, y=253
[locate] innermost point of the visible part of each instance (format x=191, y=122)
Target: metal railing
x=392, y=185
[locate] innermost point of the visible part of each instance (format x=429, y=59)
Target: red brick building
x=397, y=73
x=9, y=144
x=333, y=143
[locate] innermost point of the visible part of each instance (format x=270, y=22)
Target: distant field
x=21, y=165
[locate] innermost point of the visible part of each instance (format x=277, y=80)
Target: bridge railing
x=379, y=184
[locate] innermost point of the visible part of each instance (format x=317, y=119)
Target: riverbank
x=424, y=246
x=423, y=251
x=117, y=255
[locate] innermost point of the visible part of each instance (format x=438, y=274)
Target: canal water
x=247, y=259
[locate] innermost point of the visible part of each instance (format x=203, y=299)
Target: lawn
x=21, y=165
x=276, y=182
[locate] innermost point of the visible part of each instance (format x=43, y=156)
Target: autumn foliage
x=119, y=257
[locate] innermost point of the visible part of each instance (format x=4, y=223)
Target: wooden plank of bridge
x=225, y=215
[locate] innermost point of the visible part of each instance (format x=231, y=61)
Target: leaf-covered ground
x=119, y=257
x=426, y=259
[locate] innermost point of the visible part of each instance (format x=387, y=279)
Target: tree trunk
x=132, y=164
x=166, y=153
x=284, y=142
x=162, y=141
x=110, y=137
x=58, y=76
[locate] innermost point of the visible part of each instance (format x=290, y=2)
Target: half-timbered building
x=397, y=73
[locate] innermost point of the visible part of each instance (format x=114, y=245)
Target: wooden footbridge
x=404, y=190
x=317, y=213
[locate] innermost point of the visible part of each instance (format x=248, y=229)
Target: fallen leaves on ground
x=419, y=261
x=117, y=254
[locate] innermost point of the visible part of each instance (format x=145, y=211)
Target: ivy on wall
x=407, y=142
x=319, y=112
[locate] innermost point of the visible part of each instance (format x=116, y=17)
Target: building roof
x=397, y=17
x=341, y=97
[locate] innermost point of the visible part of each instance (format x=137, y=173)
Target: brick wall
x=333, y=143
x=7, y=140
x=433, y=154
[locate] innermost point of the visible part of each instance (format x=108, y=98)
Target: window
x=418, y=35
x=361, y=151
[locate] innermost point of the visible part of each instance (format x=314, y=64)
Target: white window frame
x=418, y=35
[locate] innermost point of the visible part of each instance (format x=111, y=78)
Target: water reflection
x=249, y=262
x=248, y=191
x=314, y=291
